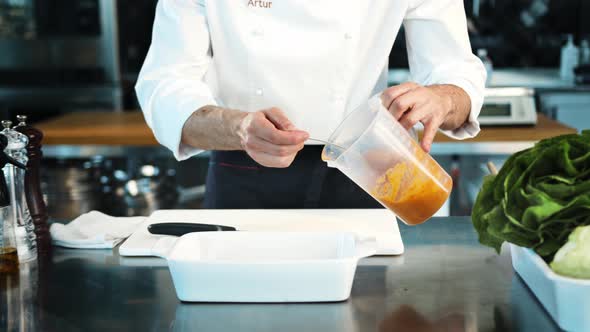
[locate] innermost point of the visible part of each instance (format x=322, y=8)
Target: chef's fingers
x=412, y=117
x=267, y=131
x=405, y=103
x=272, y=128
x=260, y=145
x=268, y=160
x=430, y=128
x=279, y=119
x=390, y=94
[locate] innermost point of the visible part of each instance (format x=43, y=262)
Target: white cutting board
x=380, y=224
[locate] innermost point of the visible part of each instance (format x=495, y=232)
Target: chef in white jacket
x=253, y=80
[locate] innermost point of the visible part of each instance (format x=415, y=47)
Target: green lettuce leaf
x=538, y=197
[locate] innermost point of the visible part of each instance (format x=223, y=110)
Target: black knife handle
x=180, y=228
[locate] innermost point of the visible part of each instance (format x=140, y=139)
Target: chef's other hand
x=270, y=138
x=435, y=106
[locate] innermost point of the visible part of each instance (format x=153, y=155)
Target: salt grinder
x=33, y=193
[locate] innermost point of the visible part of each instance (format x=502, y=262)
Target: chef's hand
x=436, y=106
x=267, y=136
x=270, y=138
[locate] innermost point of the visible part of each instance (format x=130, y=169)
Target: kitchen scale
x=508, y=107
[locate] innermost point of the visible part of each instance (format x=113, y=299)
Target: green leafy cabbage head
x=539, y=196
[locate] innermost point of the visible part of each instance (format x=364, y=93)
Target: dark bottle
x=33, y=193
x=8, y=251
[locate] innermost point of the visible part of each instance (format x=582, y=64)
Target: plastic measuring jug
x=378, y=154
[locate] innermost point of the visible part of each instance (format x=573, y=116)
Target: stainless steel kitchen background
x=60, y=56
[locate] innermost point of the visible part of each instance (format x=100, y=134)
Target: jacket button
x=259, y=92
x=348, y=36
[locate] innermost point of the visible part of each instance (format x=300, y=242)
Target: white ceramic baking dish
x=263, y=266
x=566, y=299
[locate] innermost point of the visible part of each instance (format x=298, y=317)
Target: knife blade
x=180, y=228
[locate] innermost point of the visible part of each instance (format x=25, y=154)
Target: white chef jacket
x=316, y=60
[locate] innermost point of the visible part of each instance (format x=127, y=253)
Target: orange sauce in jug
x=415, y=192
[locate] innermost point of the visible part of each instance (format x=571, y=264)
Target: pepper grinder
x=33, y=193
x=15, y=178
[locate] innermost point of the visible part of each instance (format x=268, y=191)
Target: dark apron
x=235, y=181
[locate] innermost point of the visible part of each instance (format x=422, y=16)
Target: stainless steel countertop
x=445, y=281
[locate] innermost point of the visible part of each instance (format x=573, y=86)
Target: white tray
x=263, y=266
x=566, y=299
x=379, y=224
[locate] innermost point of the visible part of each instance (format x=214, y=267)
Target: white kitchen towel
x=94, y=230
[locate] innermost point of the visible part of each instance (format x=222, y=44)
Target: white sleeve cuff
x=471, y=127
x=168, y=124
